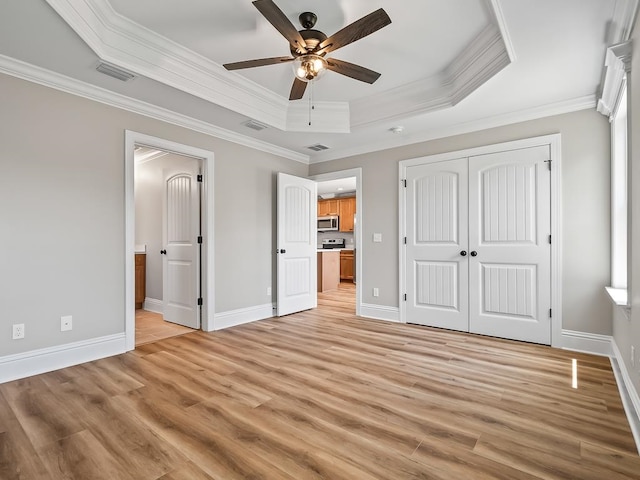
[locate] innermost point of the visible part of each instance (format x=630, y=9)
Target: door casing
x=131, y=140
x=353, y=172
x=554, y=142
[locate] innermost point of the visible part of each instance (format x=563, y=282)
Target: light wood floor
x=150, y=327
x=320, y=395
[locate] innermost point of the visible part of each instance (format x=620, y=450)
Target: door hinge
x=405, y=297
x=405, y=183
x=199, y=238
x=548, y=162
x=199, y=178
x=405, y=240
x=550, y=313
x=549, y=239
x=200, y=301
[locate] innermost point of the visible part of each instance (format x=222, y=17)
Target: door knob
x=163, y=252
x=282, y=250
x=474, y=253
x=463, y=253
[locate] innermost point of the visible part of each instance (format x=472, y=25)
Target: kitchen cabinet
x=345, y=208
x=328, y=270
x=346, y=212
x=140, y=280
x=327, y=207
x=346, y=265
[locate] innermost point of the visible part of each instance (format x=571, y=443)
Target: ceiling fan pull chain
x=310, y=101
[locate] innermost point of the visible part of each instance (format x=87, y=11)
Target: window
x=619, y=193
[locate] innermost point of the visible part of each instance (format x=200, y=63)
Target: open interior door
x=296, y=244
x=180, y=231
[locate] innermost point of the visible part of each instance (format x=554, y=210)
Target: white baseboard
x=587, y=342
x=242, y=315
x=35, y=362
x=380, y=312
x=152, y=305
x=628, y=393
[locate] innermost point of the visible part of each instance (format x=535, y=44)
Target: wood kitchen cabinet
x=345, y=208
x=327, y=207
x=346, y=264
x=141, y=275
x=346, y=212
x=328, y=270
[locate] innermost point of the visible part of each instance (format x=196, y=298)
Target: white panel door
x=510, y=254
x=181, y=264
x=436, y=251
x=297, y=244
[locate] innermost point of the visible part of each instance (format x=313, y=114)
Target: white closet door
x=437, y=271
x=510, y=254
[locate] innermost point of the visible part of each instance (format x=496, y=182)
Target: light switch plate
x=377, y=237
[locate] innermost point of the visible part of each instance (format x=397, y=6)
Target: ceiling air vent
x=253, y=125
x=318, y=147
x=115, y=72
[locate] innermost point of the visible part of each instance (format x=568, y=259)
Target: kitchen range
x=333, y=243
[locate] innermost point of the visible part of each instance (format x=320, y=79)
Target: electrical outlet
x=268, y=291
x=376, y=292
x=18, y=331
x=66, y=323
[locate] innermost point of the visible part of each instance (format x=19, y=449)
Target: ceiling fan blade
x=297, y=89
x=352, y=70
x=257, y=63
x=360, y=28
x=279, y=20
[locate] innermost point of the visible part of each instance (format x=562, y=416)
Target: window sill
x=618, y=296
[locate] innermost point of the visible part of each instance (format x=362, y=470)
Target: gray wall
x=149, y=188
x=586, y=215
x=62, y=215
x=626, y=332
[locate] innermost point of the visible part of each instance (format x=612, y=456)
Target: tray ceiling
x=447, y=67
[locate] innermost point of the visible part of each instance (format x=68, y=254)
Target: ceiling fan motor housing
x=312, y=38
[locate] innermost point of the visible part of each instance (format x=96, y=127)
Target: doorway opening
x=167, y=200
x=169, y=239
x=339, y=195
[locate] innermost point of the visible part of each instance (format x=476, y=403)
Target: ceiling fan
x=309, y=47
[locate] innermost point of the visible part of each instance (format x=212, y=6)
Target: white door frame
x=352, y=172
x=131, y=140
x=554, y=142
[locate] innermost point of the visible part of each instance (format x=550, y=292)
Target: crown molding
x=122, y=42
x=620, y=27
x=484, y=57
x=617, y=64
x=32, y=73
x=494, y=7
x=118, y=40
x=559, y=108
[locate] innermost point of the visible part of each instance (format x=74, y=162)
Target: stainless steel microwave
x=328, y=224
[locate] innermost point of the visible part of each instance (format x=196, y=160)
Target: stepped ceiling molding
x=482, y=51
x=448, y=67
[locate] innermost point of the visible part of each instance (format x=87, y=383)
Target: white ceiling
x=447, y=66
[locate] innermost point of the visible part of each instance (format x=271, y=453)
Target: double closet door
x=478, y=253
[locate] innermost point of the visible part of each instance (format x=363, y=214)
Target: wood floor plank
x=81, y=455
x=321, y=394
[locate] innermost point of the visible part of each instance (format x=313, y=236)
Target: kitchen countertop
x=334, y=249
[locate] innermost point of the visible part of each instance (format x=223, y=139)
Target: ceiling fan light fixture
x=309, y=67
